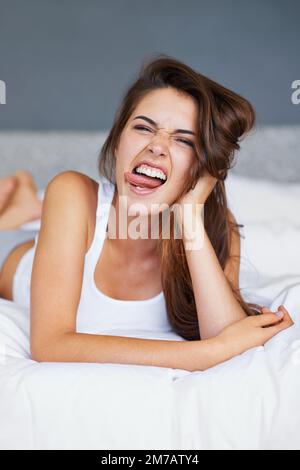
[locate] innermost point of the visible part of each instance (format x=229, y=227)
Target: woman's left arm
x=215, y=302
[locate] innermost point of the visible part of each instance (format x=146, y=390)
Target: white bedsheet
x=249, y=402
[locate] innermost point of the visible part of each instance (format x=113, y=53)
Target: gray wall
x=66, y=63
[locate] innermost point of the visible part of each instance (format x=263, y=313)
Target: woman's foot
x=24, y=205
x=7, y=186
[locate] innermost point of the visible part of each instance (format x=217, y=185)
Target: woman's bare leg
x=9, y=268
x=7, y=186
x=20, y=207
x=24, y=205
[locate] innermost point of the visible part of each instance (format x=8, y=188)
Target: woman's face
x=159, y=145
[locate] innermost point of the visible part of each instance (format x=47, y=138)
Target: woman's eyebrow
x=181, y=131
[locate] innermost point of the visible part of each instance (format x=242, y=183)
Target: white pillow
x=270, y=212
x=263, y=201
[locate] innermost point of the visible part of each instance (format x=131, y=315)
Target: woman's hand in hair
x=255, y=331
x=191, y=205
x=201, y=191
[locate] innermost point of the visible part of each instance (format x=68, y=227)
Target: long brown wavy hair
x=224, y=118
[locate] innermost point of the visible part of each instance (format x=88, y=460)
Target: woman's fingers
x=287, y=322
x=267, y=310
x=283, y=309
x=287, y=317
x=268, y=318
x=280, y=318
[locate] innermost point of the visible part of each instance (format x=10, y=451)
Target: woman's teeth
x=152, y=173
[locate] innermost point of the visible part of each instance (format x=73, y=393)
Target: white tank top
x=96, y=311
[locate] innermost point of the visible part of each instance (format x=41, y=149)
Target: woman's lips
x=142, y=180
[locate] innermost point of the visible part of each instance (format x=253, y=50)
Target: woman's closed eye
x=187, y=142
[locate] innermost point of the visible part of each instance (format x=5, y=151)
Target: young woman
x=172, y=142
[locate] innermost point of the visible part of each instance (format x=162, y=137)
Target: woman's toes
x=23, y=206
x=24, y=177
x=7, y=186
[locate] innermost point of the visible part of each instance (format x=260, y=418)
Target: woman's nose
x=159, y=142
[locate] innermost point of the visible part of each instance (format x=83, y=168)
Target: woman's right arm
x=56, y=288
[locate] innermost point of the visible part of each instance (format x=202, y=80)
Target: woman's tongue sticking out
x=143, y=181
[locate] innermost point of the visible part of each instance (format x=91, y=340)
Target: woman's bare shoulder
x=81, y=191
x=74, y=182
x=70, y=177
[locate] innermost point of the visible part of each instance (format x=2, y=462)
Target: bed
x=249, y=402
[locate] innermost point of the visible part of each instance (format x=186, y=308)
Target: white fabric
x=249, y=402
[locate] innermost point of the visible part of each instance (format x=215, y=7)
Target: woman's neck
x=120, y=229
